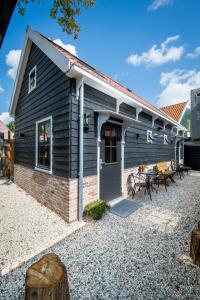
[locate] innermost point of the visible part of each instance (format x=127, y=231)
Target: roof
x=73, y=66
x=6, y=11
x=77, y=61
x=4, y=129
x=175, y=111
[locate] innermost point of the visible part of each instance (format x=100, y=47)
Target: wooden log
x=198, y=225
x=47, y=280
x=195, y=247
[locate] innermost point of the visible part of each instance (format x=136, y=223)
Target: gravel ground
x=145, y=256
x=26, y=227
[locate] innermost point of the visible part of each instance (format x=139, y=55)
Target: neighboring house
x=180, y=112
x=79, y=133
x=4, y=131
x=195, y=114
x=192, y=148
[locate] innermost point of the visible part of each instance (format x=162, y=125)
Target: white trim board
x=37, y=167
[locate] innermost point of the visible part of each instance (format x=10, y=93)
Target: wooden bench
x=162, y=167
x=164, y=173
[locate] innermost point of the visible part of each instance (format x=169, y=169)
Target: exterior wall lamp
x=137, y=136
x=87, y=121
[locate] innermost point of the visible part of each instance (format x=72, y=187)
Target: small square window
x=149, y=137
x=32, y=80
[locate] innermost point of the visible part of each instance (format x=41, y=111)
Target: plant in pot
x=96, y=209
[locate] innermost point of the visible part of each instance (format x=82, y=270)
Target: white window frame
x=165, y=139
x=149, y=133
x=37, y=167
x=30, y=89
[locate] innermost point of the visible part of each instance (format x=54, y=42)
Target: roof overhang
x=74, y=71
x=77, y=72
x=126, y=120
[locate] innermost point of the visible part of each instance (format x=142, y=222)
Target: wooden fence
x=6, y=156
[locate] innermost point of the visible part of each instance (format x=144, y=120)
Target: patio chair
x=137, y=183
x=183, y=167
x=164, y=174
x=177, y=168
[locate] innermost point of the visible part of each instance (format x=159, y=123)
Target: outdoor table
x=150, y=174
x=169, y=174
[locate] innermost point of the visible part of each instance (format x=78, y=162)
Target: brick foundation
x=57, y=193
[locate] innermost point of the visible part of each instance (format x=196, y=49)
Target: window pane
x=107, y=154
x=32, y=79
x=44, y=144
x=107, y=137
x=114, y=154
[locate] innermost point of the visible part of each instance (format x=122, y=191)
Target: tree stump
x=195, y=247
x=198, y=225
x=47, y=280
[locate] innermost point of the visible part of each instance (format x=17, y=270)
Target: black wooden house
x=78, y=132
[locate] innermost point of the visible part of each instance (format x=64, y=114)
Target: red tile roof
x=174, y=111
x=80, y=63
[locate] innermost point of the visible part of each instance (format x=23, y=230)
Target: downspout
x=80, y=90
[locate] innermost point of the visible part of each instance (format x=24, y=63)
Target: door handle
x=102, y=163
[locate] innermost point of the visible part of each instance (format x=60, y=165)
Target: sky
x=150, y=46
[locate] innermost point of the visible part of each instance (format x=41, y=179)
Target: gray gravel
x=26, y=227
x=145, y=256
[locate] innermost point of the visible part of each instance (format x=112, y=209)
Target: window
x=44, y=144
x=149, y=137
x=198, y=115
x=32, y=80
x=110, y=137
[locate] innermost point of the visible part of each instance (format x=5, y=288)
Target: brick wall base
x=61, y=194
x=57, y=193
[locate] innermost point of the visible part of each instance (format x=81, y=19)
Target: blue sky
x=150, y=46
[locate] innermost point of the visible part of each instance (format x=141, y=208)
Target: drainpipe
x=80, y=87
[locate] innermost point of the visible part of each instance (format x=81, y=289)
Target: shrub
x=96, y=209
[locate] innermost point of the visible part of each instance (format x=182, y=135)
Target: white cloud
x=156, y=4
x=177, y=86
x=158, y=55
x=69, y=47
x=5, y=117
x=12, y=60
x=194, y=54
x=1, y=89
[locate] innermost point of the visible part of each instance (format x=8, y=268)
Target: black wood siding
x=55, y=96
x=137, y=151
x=50, y=98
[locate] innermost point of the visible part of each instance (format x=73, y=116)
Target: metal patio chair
x=177, y=168
x=140, y=182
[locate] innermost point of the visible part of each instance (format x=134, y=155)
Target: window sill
x=31, y=90
x=43, y=170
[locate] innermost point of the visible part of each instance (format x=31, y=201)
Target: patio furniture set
x=146, y=179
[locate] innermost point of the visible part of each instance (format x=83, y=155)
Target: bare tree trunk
x=47, y=280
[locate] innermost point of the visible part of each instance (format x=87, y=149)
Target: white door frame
x=103, y=117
